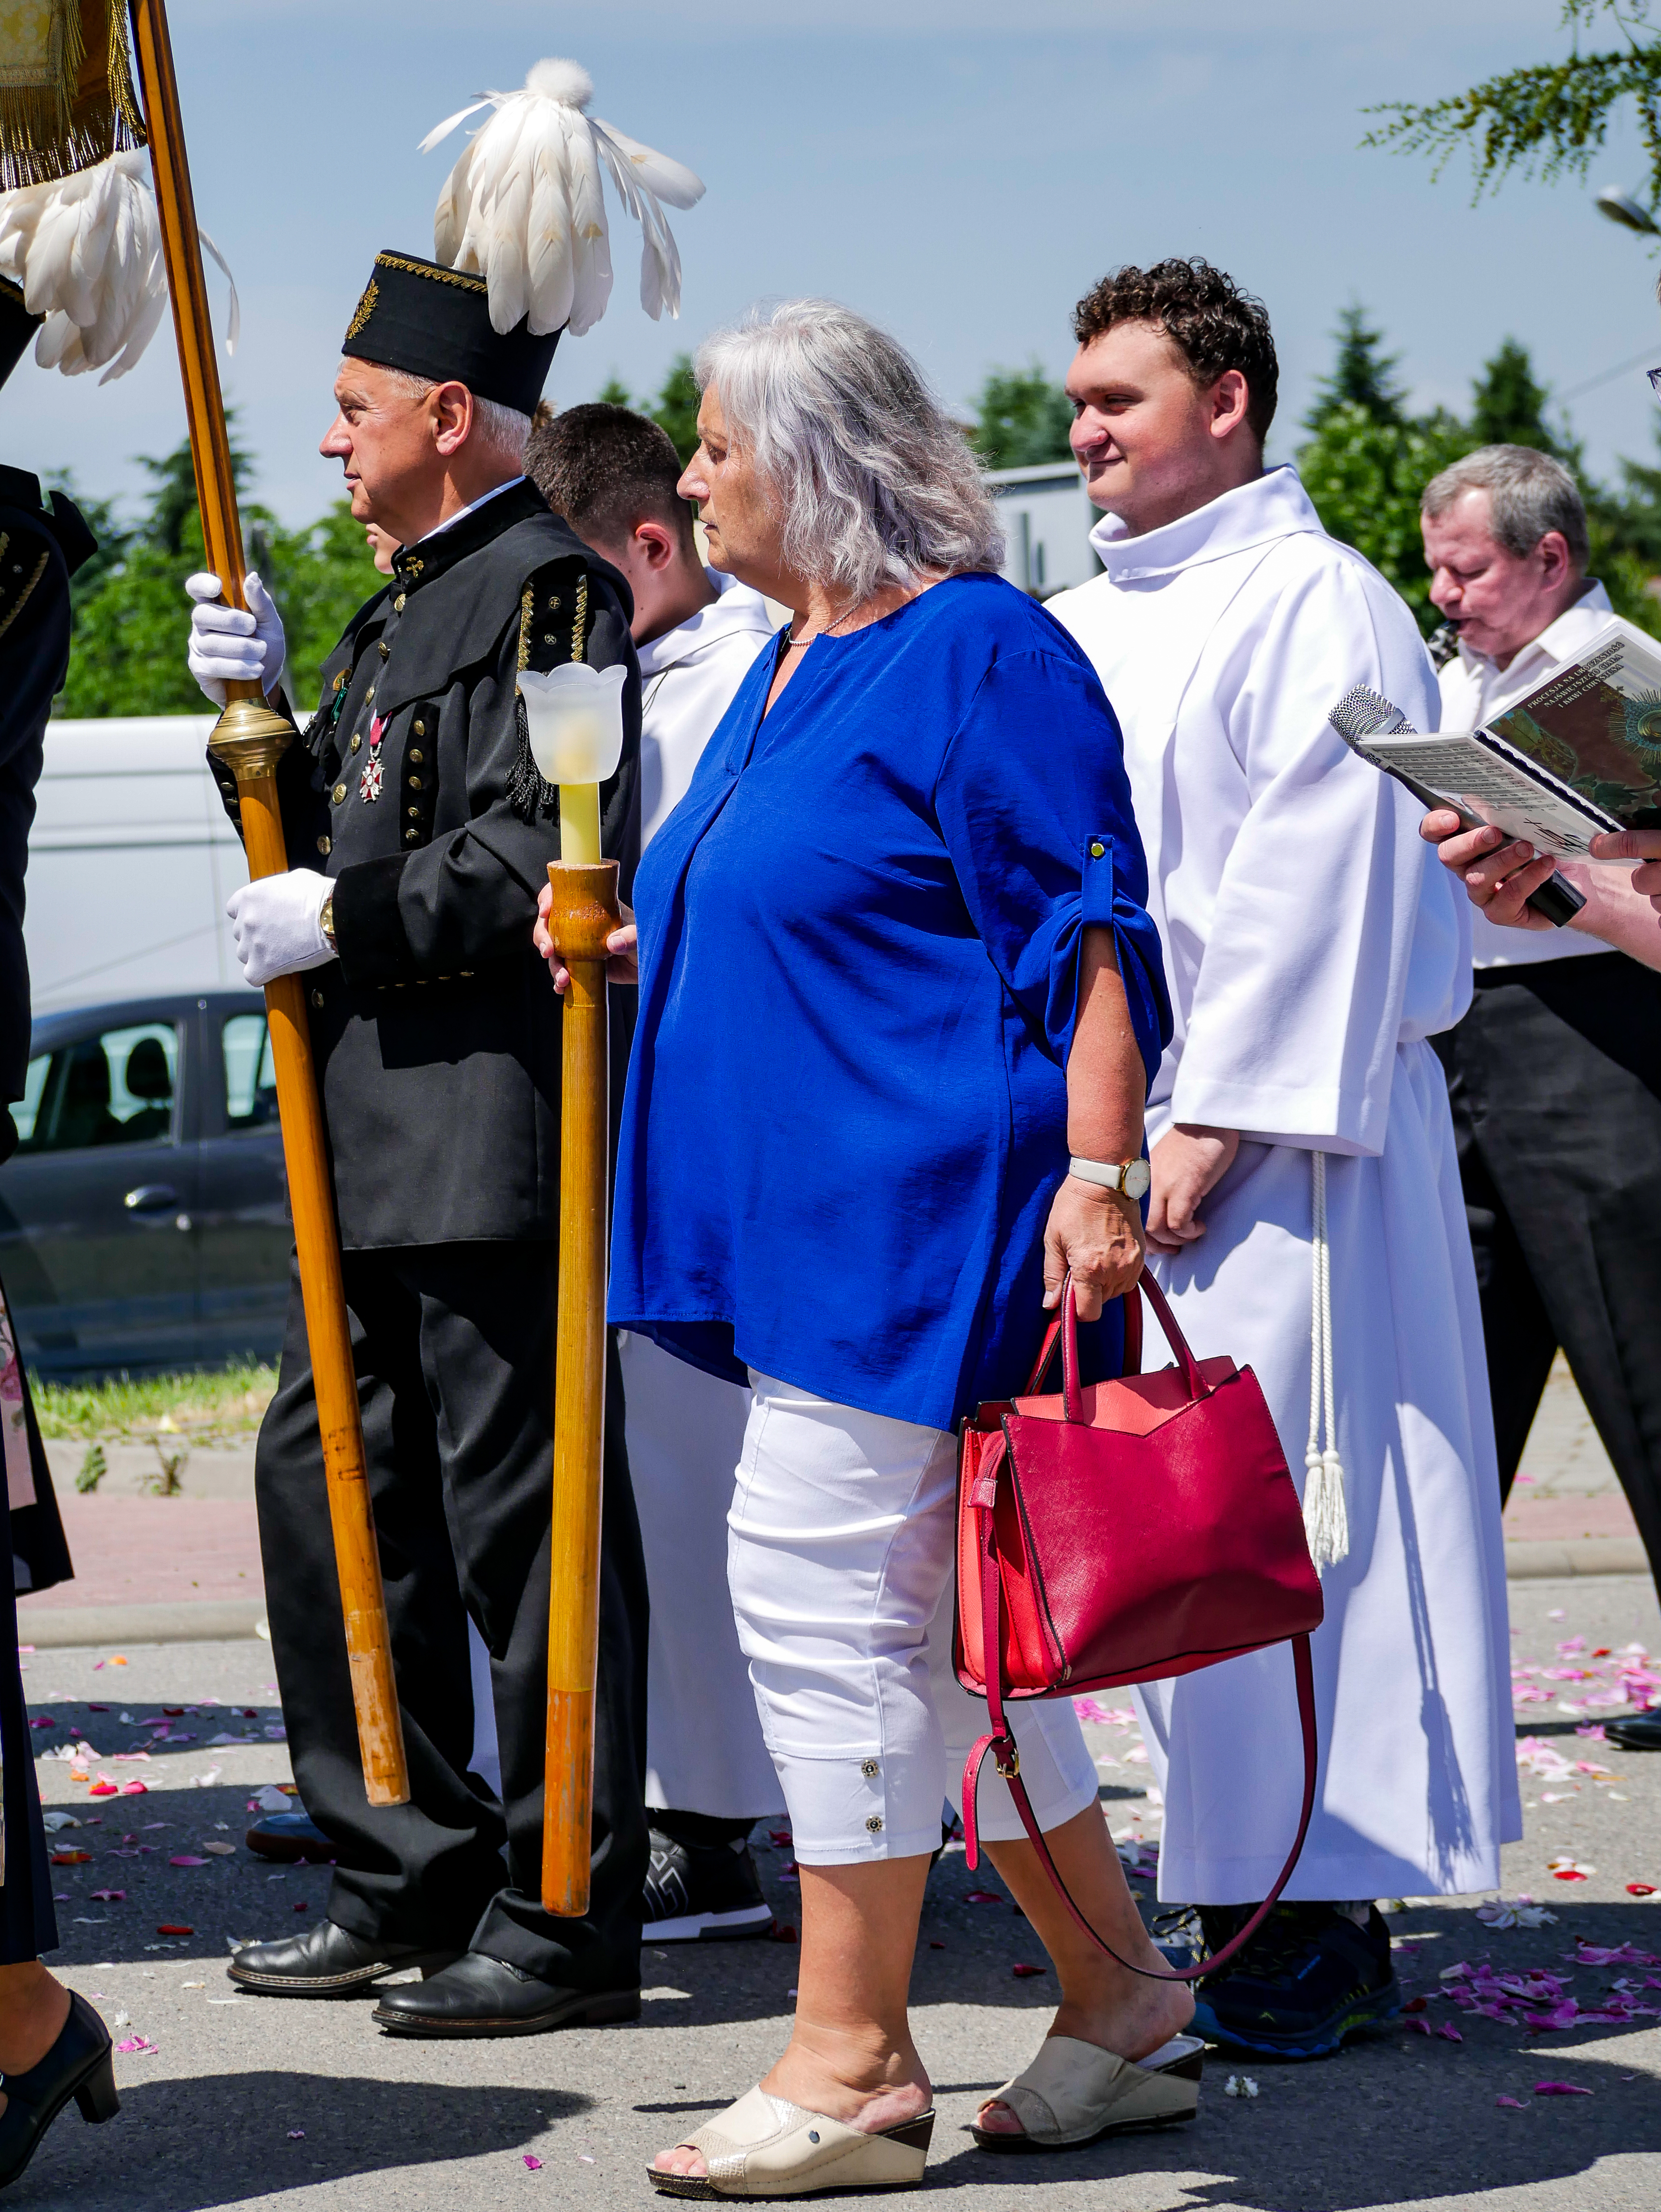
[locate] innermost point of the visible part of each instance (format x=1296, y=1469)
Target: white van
x=131, y=859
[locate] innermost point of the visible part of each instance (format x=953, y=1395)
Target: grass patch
x=206, y=1408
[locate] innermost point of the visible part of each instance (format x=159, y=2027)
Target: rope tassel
x=1326, y=1515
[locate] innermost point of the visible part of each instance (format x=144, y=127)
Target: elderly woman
x=894, y=969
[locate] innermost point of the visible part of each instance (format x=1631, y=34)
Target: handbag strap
x=1064, y=1330
x=1007, y=1759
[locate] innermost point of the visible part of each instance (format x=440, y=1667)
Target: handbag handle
x=1064, y=1329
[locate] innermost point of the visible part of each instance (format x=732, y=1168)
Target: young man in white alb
x=1309, y=952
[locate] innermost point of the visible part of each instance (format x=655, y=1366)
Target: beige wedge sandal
x=763, y=2146
x=1074, y=2093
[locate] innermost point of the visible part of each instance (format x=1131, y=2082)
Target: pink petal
x=1025, y=1974
x=535, y=2164
x=186, y=1858
x=1560, y=2089
x=1515, y=2102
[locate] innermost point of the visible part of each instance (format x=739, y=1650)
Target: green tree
x=1363, y=376
x=1545, y=119
x=676, y=407
x=1365, y=477
x=127, y=651
x=1508, y=406
x=1021, y=419
x=614, y=392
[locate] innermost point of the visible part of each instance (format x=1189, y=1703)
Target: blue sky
x=960, y=182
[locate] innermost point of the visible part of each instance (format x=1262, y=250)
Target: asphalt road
x=257, y=2102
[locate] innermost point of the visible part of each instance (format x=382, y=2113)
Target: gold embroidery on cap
x=365, y=308
x=456, y=276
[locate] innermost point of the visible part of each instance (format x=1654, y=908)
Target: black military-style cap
x=17, y=326
x=433, y=321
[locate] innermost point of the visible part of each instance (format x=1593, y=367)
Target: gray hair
x=1529, y=494
x=874, y=480
x=502, y=432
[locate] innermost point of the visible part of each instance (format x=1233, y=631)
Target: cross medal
x=369, y=783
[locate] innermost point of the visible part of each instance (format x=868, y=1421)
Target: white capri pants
x=839, y=1546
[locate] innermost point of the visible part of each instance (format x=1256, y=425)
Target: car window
x=250, y=1074
x=116, y=1088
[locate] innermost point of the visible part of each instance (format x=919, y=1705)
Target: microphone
x=1363, y=713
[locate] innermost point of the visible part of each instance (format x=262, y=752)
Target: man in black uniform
x=421, y=831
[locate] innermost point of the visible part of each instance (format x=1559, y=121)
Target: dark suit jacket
x=437, y=1031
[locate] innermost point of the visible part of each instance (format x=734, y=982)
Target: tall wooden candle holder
x=583, y=914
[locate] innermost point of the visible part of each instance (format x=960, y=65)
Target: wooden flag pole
x=584, y=911
x=250, y=739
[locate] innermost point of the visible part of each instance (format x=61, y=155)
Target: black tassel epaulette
x=528, y=795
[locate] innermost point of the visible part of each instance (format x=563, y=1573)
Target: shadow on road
x=186, y=2146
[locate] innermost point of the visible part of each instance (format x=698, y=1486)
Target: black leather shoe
x=326, y=1961
x=480, y=1996
x=1638, y=1732
x=78, y=2065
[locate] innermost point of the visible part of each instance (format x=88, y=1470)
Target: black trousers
x=1554, y=1078
x=454, y=1350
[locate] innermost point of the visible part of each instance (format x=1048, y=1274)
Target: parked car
x=143, y=1216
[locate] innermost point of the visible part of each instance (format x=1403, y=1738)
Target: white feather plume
x=87, y=250
x=524, y=205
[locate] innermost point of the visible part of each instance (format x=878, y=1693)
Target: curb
x=58, y=1627
x=65, y=1626
x=1585, y=1555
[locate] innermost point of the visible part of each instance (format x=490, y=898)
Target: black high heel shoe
x=78, y=2065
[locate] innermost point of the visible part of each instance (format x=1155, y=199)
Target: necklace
x=795, y=644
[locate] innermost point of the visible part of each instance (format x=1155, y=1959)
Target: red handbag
x=1122, y=1533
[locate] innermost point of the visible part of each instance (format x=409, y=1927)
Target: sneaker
x=1309, y=1978
x=703, y=1891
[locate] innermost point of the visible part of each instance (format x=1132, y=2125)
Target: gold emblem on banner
x=365, y=308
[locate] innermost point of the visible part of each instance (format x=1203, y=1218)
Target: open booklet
x=1581, y=754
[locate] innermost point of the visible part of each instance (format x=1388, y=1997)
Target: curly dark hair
x=1212, y=322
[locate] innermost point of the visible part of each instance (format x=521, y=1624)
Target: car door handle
x=150, y=1198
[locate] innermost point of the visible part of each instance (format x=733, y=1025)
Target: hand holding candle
x=574, y=716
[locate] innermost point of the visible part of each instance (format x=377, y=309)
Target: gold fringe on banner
x=66, y=94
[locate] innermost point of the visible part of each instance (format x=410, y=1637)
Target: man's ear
x=450, y=412
x=1554, y=560
x=1231, y=397
x=656, y=544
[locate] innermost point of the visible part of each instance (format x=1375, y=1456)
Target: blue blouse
x=846, y=1114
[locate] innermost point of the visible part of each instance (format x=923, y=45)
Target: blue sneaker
x=290, y=1837
x=1308, y=1979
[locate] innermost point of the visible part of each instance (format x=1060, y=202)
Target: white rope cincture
x=1326, y=1517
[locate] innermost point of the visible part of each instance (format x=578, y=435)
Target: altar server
x=612, y=474
x=1299, y=1084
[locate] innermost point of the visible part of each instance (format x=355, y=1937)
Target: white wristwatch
x=1130, y=1177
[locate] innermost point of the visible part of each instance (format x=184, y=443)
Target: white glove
x=277, y=927
x=227, y=645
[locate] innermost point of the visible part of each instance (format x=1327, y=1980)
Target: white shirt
x=688, y=679
x=1473, y=692
x=472, y=507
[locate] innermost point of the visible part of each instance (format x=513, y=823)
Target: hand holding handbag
x=1124, y=1532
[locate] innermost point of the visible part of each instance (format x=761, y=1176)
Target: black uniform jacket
x=437, y=1031
x=41, y=546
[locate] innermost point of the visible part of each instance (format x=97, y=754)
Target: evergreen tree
x=1022, y=419
x=676, y=407
x=1508, y=407
x=614, y=392
x=1363, y=376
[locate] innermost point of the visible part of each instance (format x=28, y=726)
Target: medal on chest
x=375, y=773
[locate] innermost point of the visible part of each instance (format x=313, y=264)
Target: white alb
x=1312, y=945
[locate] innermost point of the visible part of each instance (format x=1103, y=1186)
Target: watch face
x=1137, y=1177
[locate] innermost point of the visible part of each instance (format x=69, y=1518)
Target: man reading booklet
x=1554, y=1074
